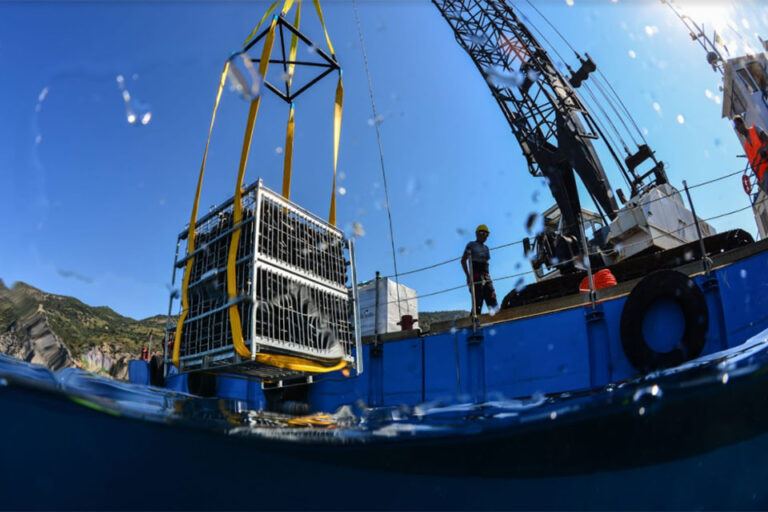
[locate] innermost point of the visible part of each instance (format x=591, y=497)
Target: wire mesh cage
x=295, y=289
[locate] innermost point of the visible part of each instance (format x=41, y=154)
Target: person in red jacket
x=756, y=146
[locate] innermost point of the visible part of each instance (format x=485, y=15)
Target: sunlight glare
x=708, y=15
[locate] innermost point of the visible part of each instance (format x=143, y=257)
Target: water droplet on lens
x=279, y=150
x=492, y=332
x=3, y=382
x=322, y=246
x=743, y=273
x=531, y=222
x=641, y=411
x=461, y=231
x=553, y=415
x=724, y=378
x=429, y=242
x=453, y=330
x=651, y=30
x=342, y=191
x=519, y=285
x=402, y=250
x=357, y=229
x=146, y=118
x=131, y=118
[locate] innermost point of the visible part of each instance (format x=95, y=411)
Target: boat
x=269, y=394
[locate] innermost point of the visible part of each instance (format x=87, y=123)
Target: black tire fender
x=664, y=284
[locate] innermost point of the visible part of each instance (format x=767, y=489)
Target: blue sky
x=92, y=204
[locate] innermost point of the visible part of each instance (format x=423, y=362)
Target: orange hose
x=602, y=279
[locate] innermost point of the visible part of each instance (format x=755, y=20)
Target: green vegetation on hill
x=78, y=325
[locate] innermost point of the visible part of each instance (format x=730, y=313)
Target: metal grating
x=292, y=290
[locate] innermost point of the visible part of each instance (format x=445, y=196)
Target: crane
x=552, y=125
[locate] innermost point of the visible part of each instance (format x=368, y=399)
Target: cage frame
x=225, y=357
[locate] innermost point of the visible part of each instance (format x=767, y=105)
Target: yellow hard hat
x=482, y=227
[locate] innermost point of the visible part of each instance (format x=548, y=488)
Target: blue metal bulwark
x=600, y=367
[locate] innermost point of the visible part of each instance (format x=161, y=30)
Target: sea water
x=691, y=437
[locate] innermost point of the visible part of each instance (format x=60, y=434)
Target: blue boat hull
x=70, y=450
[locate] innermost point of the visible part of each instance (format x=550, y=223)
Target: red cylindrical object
x=406, y=322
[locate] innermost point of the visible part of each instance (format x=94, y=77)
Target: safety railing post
x=173, y=297
x=376, y=310
x=705, y=260
x=472, y=293
x=587, y=263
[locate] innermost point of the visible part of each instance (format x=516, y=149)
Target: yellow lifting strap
x=294, y=44
x=237, y=207
x=192, y=220
x=263, y=19
x=322, y=22
x=337, y=110
x=288, y=162
x=290, y=128
x=298, y=363
x=280, y=361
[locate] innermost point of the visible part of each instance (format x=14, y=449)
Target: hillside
x=96, y=338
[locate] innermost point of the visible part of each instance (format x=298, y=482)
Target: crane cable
x=605, y=95
x=381, y=156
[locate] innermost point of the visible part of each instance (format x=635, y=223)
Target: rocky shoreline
x=60, y=332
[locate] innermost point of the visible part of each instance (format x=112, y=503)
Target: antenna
x=714, y=57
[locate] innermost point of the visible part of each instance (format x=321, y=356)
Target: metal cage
x=292, y=275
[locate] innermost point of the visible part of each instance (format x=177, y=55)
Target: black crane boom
x=539, y=103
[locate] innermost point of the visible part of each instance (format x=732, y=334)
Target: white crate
x=388, y=311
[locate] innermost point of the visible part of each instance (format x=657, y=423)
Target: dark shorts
x=484, y=292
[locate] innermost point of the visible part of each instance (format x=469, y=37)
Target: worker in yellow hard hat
x=477, y=271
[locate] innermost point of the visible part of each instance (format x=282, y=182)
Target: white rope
x=381, y=156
